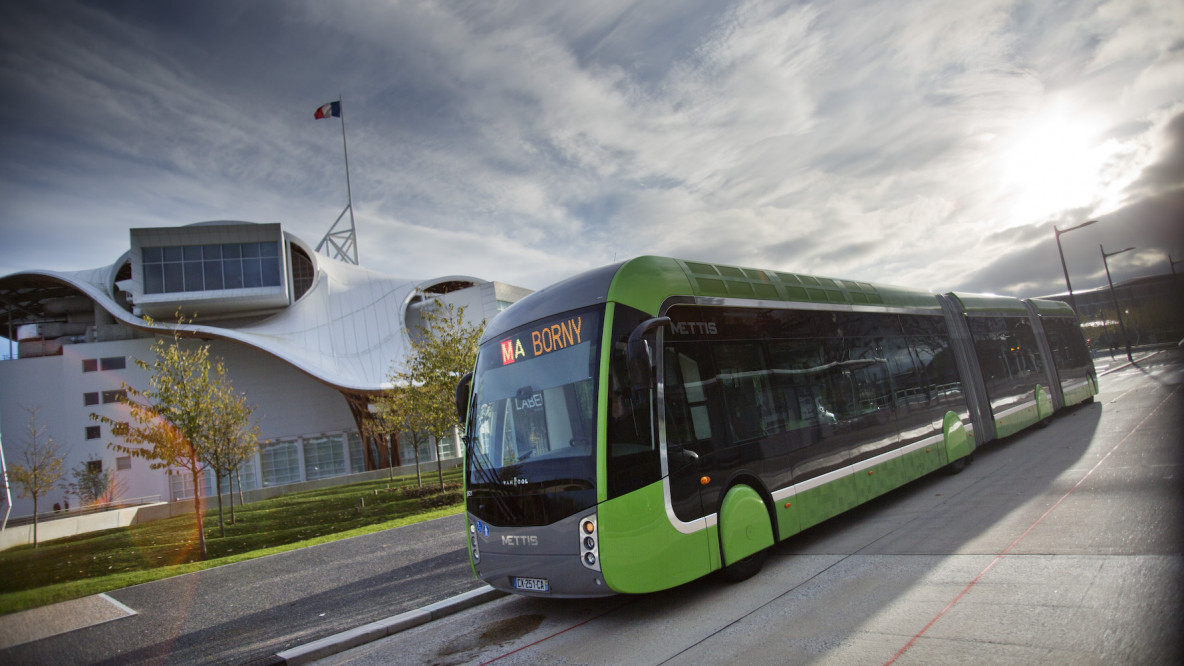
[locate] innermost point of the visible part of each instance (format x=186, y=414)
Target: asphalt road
x=1062, y=545
x=249, y=611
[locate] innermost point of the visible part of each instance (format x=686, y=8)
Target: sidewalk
x=251, y=611
x=46, y=621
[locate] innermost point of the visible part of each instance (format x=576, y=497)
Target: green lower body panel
x=1079, y=393
x=744, y=526
x=640, y=551
x=810, y=507
x=958, y=443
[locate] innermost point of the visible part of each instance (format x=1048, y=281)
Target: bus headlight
x=589, y=543
x=473, y=544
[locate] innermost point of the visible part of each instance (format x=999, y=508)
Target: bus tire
x=958, y=465
x=745, y=568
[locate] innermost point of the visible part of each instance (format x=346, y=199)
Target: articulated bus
x=641, y=425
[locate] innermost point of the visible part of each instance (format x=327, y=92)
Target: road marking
x=1028, y=531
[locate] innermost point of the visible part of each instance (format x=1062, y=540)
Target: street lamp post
x=1117, y=312
x=1058, y=232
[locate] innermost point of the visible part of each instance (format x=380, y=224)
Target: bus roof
x=1051, y=308
x=646, y=282
x=984, y=304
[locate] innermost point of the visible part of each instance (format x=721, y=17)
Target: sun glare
x=1051, y=163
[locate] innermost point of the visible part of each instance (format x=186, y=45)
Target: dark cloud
x=1032, y=267
x=1168, y=172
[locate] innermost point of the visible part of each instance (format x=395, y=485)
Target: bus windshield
x=532, y=436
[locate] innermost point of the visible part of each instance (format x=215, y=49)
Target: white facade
x=307, y=348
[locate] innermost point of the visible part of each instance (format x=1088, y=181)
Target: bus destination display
x=547, y=338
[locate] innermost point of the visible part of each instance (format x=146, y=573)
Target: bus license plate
x=532, y=584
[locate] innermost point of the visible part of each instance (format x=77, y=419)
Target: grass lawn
x=96, y=562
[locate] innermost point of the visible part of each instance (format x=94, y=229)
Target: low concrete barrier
x=66, y=526
x=59, y=528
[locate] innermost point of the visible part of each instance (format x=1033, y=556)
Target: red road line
x=1026, y=532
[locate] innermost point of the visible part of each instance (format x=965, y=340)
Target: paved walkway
x=249, y=611
x=38, y=623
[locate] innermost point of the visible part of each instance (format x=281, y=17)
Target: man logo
x=512, y=540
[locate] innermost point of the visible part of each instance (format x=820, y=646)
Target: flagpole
x=348, y=189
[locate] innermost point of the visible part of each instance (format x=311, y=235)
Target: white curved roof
x=345, y=331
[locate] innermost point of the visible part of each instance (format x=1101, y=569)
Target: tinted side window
x=633, y=457
x=1007, y=353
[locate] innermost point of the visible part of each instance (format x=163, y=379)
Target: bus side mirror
x=638, y=358
x=462, y=397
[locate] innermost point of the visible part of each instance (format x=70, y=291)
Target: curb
x=330, y=645
x=1128, y=364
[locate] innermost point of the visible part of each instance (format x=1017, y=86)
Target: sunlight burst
x=1052, y=163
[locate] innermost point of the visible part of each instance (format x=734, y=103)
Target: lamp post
x=1117, y=312
x=1058, y=232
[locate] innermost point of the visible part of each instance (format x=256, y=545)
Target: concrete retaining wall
x=59, y=528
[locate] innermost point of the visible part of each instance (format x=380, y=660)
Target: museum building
x=309, y=339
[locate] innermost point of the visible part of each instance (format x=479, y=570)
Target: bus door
x=687, y=427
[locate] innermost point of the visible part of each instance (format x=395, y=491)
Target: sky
x=928, y=144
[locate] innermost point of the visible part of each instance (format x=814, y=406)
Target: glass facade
x=323, y=457
x=357, y=454
x=299, y=459
x=182, y=268
x=281, y=463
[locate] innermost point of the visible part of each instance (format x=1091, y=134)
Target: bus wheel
x=958, y=465
x=745, y=568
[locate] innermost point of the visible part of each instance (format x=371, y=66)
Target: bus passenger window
x=687, y=416
x=745, y=380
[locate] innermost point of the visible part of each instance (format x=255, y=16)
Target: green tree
x=169, y=423
x=42, y=464
x=229, y=438
x=422, y=399
x=399, y=413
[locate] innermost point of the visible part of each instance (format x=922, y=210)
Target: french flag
x=330, y=110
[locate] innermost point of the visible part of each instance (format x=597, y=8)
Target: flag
x=330, y=110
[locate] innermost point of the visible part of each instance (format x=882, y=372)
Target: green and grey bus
x=643, y=424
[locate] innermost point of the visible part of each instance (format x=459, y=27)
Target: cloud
x=528, y=141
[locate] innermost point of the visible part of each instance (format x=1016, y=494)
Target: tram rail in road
x=1059, y=545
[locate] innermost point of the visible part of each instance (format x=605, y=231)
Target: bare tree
x=229, y=438
x=42, y=464
x=92, y=484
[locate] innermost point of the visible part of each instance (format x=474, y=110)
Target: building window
x=303, y=273
x=123, y=463
x=89, y=399
x=113, y=363
x=113, y=396
x=210, y=267
x=94, y=466
x=90, y=364
x=94, y=432
x=357, y=456
x=324, y=457
x=281, y=463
